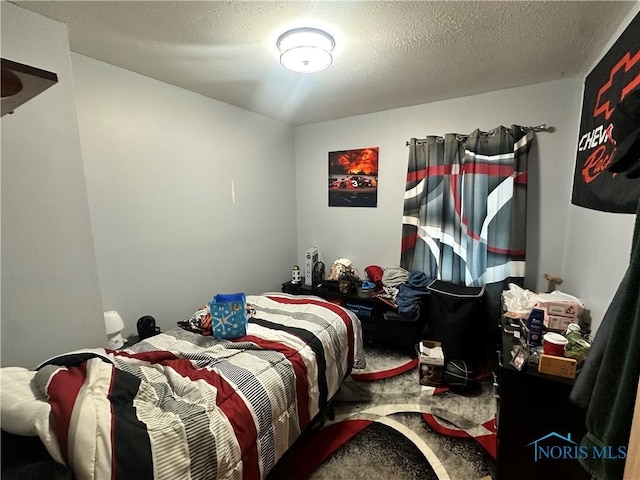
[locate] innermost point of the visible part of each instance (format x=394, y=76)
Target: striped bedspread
x=183, y=406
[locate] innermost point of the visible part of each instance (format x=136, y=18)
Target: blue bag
x=229, y=315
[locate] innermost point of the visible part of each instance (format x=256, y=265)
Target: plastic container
x=534, y=326
x=365, y=290
x=361, y=310
x=554, y=344
x=577, y=347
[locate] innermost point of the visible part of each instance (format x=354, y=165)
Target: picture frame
x=353, y=177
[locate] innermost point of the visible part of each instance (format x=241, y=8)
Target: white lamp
x=305, y=50
x=113, y=325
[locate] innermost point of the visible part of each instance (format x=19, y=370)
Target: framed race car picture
x=353, y=178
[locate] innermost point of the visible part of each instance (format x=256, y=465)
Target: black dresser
x=533, y=409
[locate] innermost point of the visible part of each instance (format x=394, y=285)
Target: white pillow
x=25, y=411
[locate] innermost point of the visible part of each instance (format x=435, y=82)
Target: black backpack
x=147, y=327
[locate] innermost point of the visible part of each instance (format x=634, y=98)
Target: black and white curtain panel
x=465, y=208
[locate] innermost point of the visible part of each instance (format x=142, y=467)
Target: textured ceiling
x=389, y=54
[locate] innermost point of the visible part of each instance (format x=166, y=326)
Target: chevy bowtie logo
x=627, y=66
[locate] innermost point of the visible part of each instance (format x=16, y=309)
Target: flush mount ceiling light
x=305, y=50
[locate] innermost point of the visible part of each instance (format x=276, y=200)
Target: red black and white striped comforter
x=182, y=406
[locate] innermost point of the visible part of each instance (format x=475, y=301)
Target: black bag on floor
x=457, y=318
x=147, y=327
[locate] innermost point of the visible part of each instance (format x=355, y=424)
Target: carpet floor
x=386, y=425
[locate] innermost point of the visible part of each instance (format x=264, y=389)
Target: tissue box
x=556, y=322
x=430, y=363
x=559, y=366
x=563, y=309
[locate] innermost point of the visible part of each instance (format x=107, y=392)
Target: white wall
x=188, y=196
x=597, y=245
x=170, y=230
x=587, y=248
x=373, y=235
x=50, y=293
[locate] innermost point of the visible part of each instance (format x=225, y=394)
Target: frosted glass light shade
x=113, y=324
x=306, y=50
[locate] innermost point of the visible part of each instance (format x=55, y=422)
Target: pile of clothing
x=405, y=290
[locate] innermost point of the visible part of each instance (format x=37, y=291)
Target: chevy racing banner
x=614, y=77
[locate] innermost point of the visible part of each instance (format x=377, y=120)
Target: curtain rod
x=490, y=133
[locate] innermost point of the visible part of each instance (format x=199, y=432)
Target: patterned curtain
x=465, y=208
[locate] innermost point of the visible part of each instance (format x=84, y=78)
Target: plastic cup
x=554, y=344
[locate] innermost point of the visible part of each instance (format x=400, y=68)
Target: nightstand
x=130, y=340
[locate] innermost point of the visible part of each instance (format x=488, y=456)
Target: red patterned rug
x=386, y=425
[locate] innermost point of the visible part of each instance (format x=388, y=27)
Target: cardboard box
x=556, y=322
x=430, y=363
x=563, y=309
x=558, y=366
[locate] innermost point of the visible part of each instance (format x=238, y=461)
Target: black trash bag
x=457, y=318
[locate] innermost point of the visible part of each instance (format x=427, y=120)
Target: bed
x=181, y=405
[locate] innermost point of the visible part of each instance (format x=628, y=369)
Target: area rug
x=386, y=425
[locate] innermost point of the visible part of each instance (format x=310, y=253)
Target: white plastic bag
x=521, y=301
